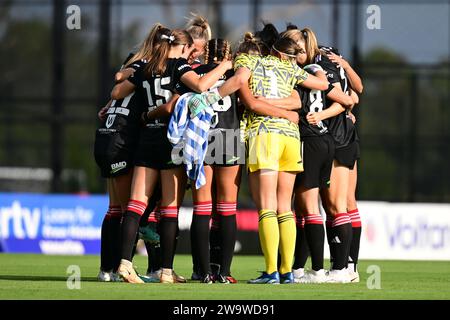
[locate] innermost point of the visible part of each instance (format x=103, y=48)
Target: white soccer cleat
x=298, y=273
x=314, y=277
x=127, y=272
x=338, y=276
x=104, y=276
x=353, y=275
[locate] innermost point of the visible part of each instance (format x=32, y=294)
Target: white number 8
x=225, y=103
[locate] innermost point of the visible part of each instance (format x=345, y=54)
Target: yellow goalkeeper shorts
x=273, y=151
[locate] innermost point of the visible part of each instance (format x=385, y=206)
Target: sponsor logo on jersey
x=110, y=120
x=115, y=167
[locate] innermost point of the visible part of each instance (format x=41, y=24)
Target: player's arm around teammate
x=115, y=145
x=150, y=165
x=222, y=172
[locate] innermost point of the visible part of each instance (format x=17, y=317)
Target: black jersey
x=312, y=101
x=341, y=126
x=226, y=108
x=158, y=89
x=123, y=116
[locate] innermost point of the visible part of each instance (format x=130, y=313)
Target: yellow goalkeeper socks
x=288, y=232
x=269, y=238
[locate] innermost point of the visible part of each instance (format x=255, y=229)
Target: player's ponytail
x=158, y=60
x=267, y=37
x=150, y=44
x=249, y=45
x=198, y=27
x=311, y=45
x=217, y=50
x=307, y=37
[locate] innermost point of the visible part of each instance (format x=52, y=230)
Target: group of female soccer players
x=282, y=113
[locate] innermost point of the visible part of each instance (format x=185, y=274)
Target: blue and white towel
x=191, y=136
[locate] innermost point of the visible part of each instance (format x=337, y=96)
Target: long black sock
x=133, y=253
x=214, y=242
x=194, y=250
x=154, y=256
x=356, y=237
x=200, y=235
x=129, y=230
x=106, y=252
x=315, y=236
x=115, y=227
x=301, y=248
x=329, y=233
x=168, y=234
x=354, y=247
x=228, y=231
x=215, y=251
x=341, y=238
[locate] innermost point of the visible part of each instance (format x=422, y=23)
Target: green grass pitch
x=26, y=276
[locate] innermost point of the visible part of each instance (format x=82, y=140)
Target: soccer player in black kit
x=158, y=81
x=355, y=83
x=223, y=174
x=115, y=145
x=318, y=152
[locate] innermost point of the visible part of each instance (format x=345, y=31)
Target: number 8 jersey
x=312, y=101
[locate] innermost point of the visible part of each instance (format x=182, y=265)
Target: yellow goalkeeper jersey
x=271, y=77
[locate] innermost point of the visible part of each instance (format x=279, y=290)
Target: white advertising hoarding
x=405, y=231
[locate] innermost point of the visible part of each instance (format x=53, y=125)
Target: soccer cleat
x=313, y=277
x=178, y=278
x=338, y=276
x=195, y=276
x=298, y=273
x=104, y=276
x=155, y=275
x=127, y=273
x=224, y=279
x=207, y=279
x=148, y=279
x=287, y=278
x=171, y=278
x=149, y=234
x=265, y=278
x=353, y=275
x=115, y=277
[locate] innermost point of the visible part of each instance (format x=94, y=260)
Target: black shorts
x=154, y=150
x=113, y=155
x=318, y=153
x=348, y=155
x=225, y=148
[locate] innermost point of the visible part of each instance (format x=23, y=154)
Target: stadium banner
x=71, y=224
x=405, y=231
x=51, y=224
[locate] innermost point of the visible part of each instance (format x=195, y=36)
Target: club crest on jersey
x=110, y=120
